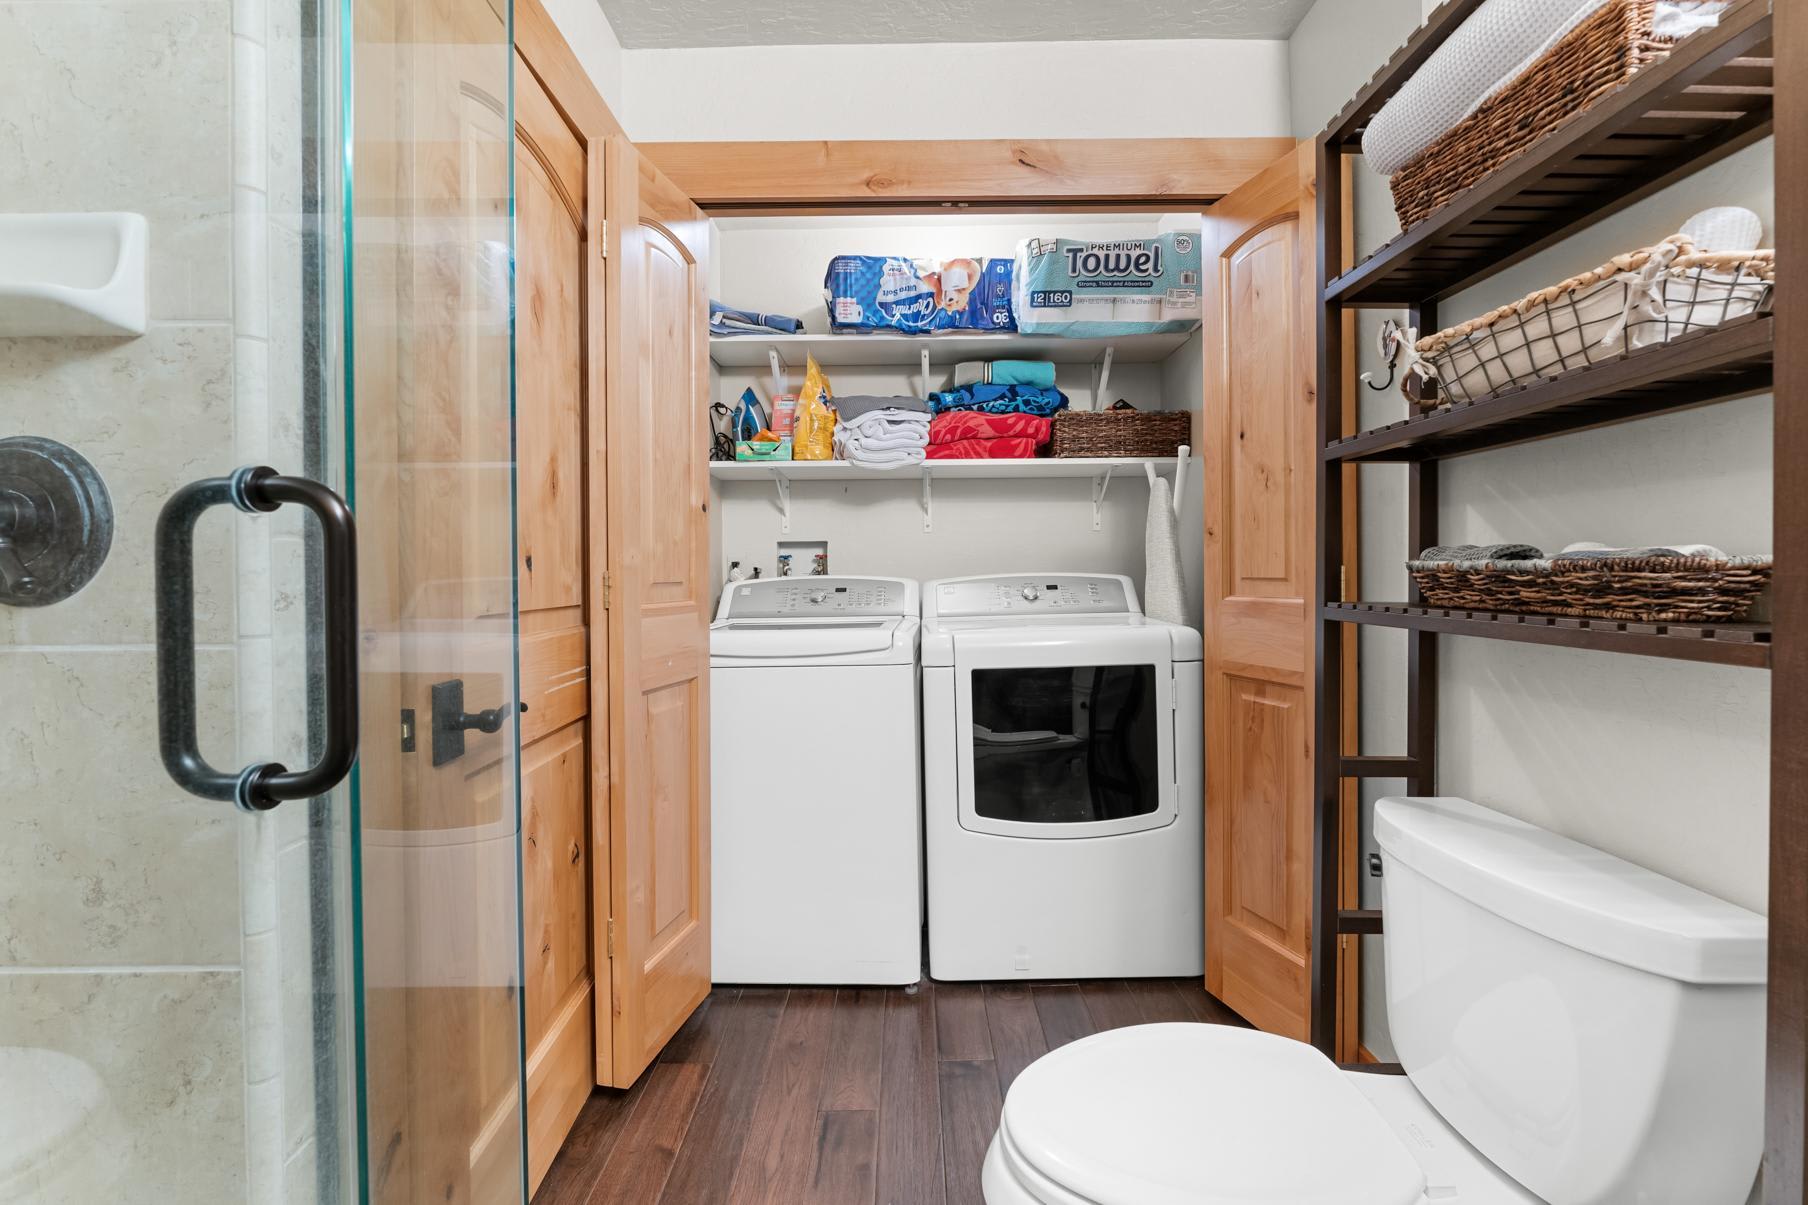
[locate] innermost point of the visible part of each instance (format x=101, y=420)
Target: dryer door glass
x=1066, y=745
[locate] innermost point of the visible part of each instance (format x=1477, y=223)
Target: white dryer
x=1063, y=758
x=815, y=786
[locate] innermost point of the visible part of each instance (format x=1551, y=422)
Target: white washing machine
x=815, y=783
x=1063, y=759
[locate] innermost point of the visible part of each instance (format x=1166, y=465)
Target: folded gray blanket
x=1482, y=552
x=1614, y=554
x=856, y=404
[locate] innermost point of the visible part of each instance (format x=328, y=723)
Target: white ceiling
x=656, y=23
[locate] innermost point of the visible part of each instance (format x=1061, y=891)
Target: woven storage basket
x=1648, y=296
x=1645, y=589
x=1602, y=52
x=1120, y=432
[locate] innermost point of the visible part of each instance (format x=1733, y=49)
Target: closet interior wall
x=995, y=525
x=1663, y=763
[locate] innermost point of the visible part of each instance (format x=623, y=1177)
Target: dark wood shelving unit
x=1709, y=98
x=1726, y=644
x=1713, y=95
x=1708, y=366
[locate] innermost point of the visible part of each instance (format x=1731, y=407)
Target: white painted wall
x=1659, y=762
x=588, y=32
x=1202, y=88
x=989, y=526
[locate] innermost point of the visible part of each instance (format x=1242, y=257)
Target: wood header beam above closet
x=789, y=177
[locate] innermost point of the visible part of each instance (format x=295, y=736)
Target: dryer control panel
x=1045, y=594
x=818, y=598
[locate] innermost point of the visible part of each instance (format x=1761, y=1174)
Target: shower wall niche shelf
x=72, y=274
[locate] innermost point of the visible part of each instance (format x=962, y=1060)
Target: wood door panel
x=1260, y=337
x=1268, y=848
x=552, y=286
x=659, y=619
x=674, y=896
x=668, y=503
x=549, y=282
x=559, y=1080
x=555, y=873
x=1261, y=428
x=555, y=681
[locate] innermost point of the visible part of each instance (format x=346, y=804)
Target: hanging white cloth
x=1163, y=595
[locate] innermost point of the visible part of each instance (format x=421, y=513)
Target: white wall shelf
x=72, y=274
x=782, y=474
x=905, y=351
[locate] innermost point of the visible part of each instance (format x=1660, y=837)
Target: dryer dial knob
x=1031, y=594
x=817, y=598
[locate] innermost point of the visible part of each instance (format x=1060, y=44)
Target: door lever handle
x=488, y=720
x=451, y=721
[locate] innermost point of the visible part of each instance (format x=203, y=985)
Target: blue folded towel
x=724, y=320
x=1039, y=373
x=999, y=399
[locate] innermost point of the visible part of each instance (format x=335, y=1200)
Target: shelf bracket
x=781, y=378
x=1100, y=484
x=923, y=352
x=928, y=514
x=783, y=484
x=1101, y=379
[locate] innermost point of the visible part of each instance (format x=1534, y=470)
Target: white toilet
x=61, y=1140
x=1575, y=1030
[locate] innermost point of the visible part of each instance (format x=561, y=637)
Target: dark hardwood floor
x=857, y=1096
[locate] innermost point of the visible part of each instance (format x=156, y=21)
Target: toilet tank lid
x=1572, y=893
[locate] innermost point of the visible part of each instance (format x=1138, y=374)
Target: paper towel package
x=921, y=296
x=1088, y=290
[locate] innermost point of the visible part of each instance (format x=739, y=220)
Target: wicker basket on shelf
x=1678, y=589
x=1600, y=54
x=1120, y=432
x=1644, y=297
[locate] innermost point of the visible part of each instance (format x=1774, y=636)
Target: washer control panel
x=817, y=598
x=1048, y=594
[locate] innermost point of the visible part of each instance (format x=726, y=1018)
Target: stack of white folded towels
x=881, y=432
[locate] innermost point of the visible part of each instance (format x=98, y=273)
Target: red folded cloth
x=971, y=424
x=1003, y=447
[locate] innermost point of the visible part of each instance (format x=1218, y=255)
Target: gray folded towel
x=1615, y=554
x=1482, y=552
x=856, y=404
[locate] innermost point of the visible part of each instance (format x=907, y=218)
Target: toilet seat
x=62, y=1137
x=1189, y=1114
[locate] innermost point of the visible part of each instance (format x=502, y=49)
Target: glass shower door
x=267, y=233
x=428, y=278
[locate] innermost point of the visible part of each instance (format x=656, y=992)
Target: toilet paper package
x=1124, y=287
x=921, y=296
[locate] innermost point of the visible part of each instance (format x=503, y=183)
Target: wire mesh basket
x=1643, y=298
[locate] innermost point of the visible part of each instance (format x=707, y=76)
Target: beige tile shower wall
x=122, y=900
x=268, y=323
x=1659, y=762
x=120, y=895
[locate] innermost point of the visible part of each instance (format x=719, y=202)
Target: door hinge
x=609, y=941
x=605, y=590
x=602, y=237
x=1343, y=583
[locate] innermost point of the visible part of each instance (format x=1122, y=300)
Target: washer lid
x=766, y=640
x=1188, y=1114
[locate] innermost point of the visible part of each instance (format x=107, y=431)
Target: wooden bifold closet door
x=1260, y=458
x=552, y=194
x=659, y=611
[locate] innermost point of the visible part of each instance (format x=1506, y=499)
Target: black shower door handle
x=261, y=785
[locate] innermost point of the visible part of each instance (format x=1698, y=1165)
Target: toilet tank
x=1594, y=1028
